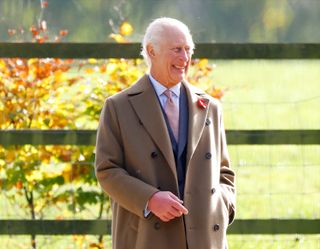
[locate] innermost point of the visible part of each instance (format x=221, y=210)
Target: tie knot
x=168, y=93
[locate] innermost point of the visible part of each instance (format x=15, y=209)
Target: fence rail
x=88, y=137
x=101, y=227
x=132, y=50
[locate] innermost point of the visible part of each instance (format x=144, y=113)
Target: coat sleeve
x=129, y=192
x=227, y=175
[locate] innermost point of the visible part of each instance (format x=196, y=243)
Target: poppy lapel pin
x=203, y=103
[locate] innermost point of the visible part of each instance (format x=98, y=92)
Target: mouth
x=180, y=68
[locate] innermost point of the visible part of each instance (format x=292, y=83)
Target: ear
x=151, y=50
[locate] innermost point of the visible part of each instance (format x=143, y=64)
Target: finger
x=176, y=198
x=174, y=212
x=169, y=216
x=164, y=218
x=178, y=206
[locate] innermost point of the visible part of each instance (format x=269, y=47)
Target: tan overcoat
x=134, y=159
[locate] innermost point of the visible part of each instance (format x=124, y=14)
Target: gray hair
x=154, y=31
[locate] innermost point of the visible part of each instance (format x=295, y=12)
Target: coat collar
x=145, y=103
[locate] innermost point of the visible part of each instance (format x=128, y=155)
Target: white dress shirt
x=160, y=89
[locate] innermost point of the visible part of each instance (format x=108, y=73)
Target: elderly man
x=161, y=153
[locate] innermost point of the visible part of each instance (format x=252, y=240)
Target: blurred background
x=209, y=20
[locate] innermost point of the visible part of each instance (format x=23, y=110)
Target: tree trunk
x=29, y=198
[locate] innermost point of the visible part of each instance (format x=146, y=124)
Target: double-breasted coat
x=134, y=159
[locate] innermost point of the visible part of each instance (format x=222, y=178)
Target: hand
x=166, y=206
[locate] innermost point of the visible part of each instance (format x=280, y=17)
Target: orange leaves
x=40, y=32
x=217, y=92
x=200, y=74
x=10, y=156
x=75, y=172
x=63, y=32
x=27, y=87
x=19, y=185
x=34, y=31
x=96, y=245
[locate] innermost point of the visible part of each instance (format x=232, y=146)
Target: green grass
x=271, y=177
x=269, y=94
x=274, y=242
x=279, y=94
x=280, y=181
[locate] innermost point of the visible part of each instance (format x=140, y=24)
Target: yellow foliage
x=118, y=38
x=126, y=29
x=67, y=173
x=92, y=61
x=34, y=176
x=26, y=87
x=10, y=156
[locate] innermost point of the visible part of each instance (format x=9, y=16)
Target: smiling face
x=170, y=59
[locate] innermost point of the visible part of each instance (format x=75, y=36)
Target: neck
x=166, y=84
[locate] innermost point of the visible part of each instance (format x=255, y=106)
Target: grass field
x=272, y=181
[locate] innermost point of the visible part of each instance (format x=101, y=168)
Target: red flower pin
x=202, y=103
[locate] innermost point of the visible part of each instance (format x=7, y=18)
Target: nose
x=184, y=54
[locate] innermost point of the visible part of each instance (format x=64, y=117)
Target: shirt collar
x=160, y=89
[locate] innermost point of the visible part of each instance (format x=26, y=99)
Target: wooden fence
x=87, y=137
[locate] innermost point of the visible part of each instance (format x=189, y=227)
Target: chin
x=182, y=77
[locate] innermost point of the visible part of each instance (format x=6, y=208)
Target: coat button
x=213, y=190
x=154, y=154
x=208, y=155
x=157, y=225
x=208, y=121
x=216, y=227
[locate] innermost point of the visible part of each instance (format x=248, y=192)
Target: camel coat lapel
x=197, y=118
x=147, y=107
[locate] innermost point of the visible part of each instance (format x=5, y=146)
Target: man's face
x=171, y=60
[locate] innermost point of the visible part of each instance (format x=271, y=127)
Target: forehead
x=173, y=36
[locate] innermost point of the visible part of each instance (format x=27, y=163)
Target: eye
x=179, y=49
x=188, y=50
x=176, y=49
